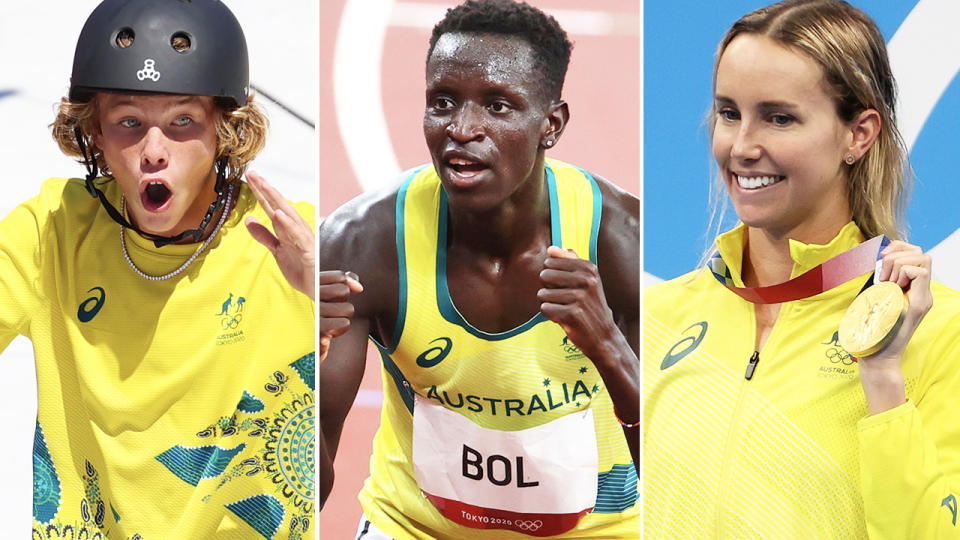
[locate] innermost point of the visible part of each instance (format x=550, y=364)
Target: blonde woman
x=756, y=419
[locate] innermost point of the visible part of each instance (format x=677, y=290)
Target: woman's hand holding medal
x=908, y=267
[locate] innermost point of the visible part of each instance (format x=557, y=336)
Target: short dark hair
x=551, y=48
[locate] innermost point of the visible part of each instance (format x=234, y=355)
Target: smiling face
x=778, y=141
x=161, y=151
x=486, y=117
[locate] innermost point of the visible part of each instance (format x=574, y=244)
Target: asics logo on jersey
x=951, y=503
x=91, y=306
x=685, y=346
x=435, y=355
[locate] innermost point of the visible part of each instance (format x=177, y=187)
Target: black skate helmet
x=189, y=47
x=177, y=47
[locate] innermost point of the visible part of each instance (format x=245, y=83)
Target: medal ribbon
x=840, y=269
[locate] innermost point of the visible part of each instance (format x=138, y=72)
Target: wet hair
x=241, y=133
x=551, y=48
x=852, y=53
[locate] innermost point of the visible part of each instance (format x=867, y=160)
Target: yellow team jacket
x=513, y=380
x=792, y=452
x=171, y=409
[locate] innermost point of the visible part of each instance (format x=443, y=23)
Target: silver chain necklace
x=144, y=275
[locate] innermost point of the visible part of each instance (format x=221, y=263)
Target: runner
x=758, y=422
x=174, y=353
x=501, y=289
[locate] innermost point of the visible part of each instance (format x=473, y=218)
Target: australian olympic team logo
x=231, y=315
x=835, y=353
x=230, y=310
x=570, y=351
x=840, y=364
x=149, y=71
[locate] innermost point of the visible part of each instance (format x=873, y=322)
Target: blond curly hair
x=241, y=133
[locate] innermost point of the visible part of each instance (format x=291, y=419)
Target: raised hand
x=292, y=240
x=334, y=309
x=572, y=296
x=909, y=267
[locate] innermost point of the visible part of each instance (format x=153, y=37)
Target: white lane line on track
x=356, y=91
x=368, y=398
x=574, y=21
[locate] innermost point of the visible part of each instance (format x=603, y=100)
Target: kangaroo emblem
x=226, y=305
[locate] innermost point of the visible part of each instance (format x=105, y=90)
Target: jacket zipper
x=752, y=365
x=734, y=427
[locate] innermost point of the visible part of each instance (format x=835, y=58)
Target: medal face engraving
x=872, y=319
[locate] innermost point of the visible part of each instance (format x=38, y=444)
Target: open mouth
x=757, y=182
x=466, y=167
x=155, y=196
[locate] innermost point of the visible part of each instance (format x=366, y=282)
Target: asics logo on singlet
x=91, y=306
x=435, y=355
x=685, y=346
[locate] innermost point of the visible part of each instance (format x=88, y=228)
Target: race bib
x=538, y=481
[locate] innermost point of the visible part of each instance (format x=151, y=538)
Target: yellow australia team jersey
x=792, y=452
x=168, y=409
x=506, y=382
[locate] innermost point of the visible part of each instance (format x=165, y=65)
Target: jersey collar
x=805, y=256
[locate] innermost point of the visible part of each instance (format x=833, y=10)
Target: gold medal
x=872, y=319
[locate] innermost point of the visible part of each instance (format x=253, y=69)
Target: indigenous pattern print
x=262, y=512
x=93, y=509
x=46, y=483
x=147, y=427
x=276, y=432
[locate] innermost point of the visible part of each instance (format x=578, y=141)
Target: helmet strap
x=93, y=171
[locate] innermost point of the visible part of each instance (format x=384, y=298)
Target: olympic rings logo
x=525, y=525
x=230, y=323
x=839, y=356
